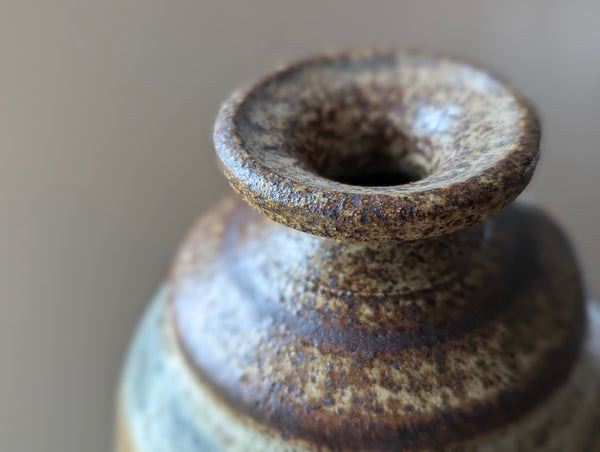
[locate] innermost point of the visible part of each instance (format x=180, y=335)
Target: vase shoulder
x=290, y=342
x=190, y=389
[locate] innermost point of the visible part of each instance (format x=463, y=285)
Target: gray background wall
x=106, y=112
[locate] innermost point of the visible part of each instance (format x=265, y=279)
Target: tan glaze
x=411, y=317
x=300, y=336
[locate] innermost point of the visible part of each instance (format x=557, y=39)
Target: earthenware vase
x=393, y=303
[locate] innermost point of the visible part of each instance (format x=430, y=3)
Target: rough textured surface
x=410, y=320
x=306, y=335
x=163, y=408
x=296, y=143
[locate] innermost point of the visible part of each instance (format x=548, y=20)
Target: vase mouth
x=377, y=145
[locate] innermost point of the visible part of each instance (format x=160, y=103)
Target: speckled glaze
x=390, y=305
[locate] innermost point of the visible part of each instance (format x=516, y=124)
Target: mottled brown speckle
x=377, y=146
x=411, y=317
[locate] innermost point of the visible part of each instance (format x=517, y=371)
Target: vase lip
x=468, y=143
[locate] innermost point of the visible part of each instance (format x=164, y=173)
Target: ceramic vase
x=369, y=287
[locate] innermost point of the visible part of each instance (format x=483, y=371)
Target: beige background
x=106, y=111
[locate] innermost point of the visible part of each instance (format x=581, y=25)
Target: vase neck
x=392, y=268
x=373, y=268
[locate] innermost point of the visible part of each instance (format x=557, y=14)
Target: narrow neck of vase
x=379, y=268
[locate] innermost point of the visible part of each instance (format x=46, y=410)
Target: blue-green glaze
x=158, y=413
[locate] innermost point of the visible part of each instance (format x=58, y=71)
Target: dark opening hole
x=375, y=178
x=357, y=143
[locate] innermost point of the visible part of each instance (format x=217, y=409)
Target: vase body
x=389, y=306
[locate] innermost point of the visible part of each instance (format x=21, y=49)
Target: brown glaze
x=289, y=142
x=366, y=335
x=264, y=319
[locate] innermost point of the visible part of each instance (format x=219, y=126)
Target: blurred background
x=106, y=158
